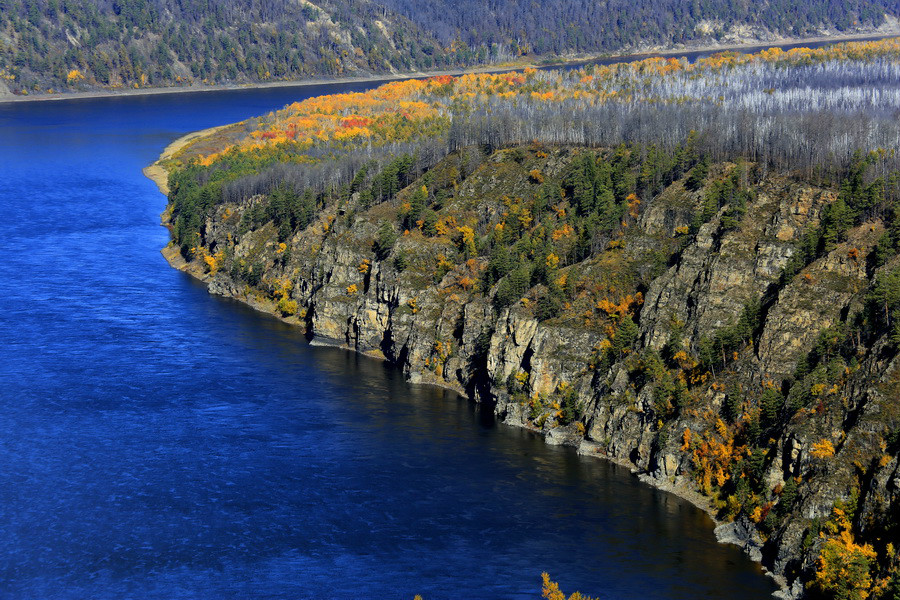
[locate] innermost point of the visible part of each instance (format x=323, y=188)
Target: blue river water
x=160, y=443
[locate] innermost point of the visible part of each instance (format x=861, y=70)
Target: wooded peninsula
x=689, y=268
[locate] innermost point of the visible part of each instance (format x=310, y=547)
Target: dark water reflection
x=159, y=443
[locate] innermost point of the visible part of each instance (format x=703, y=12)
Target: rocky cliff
x=717, y=338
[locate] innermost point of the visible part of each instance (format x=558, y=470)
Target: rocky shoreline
x=723, y=329
x=740, y=533
x=737, y=533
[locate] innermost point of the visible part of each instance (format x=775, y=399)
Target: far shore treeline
x=57, y=46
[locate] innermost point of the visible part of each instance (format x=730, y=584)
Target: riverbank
x=157, y=174
x=608, y=354
x=126, y=381
x=564, y=61
x=680, y=486
x=726, y=532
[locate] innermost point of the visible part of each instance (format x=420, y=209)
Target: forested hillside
x=693, y=269
x=81, y=44
x=70, y=45
x=559, y=27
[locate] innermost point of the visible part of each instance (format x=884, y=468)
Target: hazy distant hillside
x=68, y=45
x=560, y=26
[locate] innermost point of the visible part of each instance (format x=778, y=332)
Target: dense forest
x=560, y=27
x=690, y=268
x=66, y=45
x=75, y=44
x=807, y=111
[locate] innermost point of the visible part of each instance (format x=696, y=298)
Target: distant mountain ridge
x=72, y=45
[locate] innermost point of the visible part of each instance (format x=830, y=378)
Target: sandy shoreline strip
x=158, y=174
x=562, y=62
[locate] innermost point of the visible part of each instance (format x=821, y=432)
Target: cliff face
x=785, y=427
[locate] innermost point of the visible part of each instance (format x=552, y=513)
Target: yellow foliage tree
x=822, y=449
x=844, y=568
x=551, y=591
x=686, y=440
x=713, y=453
x=467, y=238
x=287, y=307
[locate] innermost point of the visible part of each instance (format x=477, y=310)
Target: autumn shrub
x=551, y=591
x=844, y=568
x=287, y=307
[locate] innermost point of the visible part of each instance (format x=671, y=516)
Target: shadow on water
x=643, y=534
